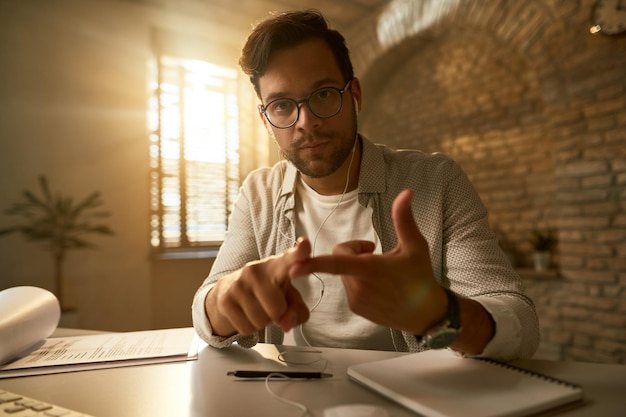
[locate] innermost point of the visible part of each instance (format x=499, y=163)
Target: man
x=394, y=250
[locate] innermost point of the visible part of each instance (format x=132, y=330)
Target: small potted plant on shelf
x=543, y=243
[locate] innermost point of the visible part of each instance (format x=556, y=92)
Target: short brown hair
x=287, y=30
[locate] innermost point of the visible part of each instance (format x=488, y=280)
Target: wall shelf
x=531, y=273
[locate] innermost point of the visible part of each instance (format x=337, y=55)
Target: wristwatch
x=446, y=332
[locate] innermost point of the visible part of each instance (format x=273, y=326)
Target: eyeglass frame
x=263, y=108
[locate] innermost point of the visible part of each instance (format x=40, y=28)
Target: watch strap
x=453, y=314
x=451, y=322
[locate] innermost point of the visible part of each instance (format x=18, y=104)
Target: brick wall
x=533, y=107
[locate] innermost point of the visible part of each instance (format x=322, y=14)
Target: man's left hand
x=395, y=289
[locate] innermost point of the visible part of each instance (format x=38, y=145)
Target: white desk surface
x=202, y=388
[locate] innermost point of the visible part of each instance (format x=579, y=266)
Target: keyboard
x=16, y=405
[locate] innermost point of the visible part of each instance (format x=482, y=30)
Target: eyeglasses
x=324, y=102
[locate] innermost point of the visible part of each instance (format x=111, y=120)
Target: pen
x=288, y=374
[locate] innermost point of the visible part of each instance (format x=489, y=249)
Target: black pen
x=287, y=374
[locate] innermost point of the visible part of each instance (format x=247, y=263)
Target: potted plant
x=60, y=224
x=543, y=243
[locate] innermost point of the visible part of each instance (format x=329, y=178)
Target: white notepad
x=438, y=383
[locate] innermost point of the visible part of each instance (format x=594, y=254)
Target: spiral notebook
x=438, y=383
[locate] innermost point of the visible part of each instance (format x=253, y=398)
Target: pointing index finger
x=347, y=259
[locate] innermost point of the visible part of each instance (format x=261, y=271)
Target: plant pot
x=542, y=261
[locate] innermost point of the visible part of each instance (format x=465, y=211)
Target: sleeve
x=505, y=344
x=477, y=268
x=237, y=249
x=467, y=258
x=203, y=327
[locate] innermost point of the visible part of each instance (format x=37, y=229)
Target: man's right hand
x=258, y=294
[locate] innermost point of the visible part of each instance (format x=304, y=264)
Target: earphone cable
x=319, y=229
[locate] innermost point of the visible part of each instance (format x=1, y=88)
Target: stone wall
x=533, y=107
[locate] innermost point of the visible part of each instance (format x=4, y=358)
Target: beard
x=319, y=166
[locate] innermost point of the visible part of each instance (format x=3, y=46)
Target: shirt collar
x=371, y=176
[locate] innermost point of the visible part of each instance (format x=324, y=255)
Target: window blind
x=194, y=151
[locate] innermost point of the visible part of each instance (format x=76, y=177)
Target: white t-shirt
x=327, y=221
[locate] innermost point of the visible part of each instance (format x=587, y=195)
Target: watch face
x=443, y=338
x=609, y=17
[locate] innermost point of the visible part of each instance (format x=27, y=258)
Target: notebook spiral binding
x=531, y=373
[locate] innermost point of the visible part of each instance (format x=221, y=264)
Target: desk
x=202, y=388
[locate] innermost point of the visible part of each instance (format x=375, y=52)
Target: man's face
x=316, y=146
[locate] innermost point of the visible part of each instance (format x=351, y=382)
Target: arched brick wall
x=533, y=107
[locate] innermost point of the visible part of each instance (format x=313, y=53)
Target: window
x=194, y=151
